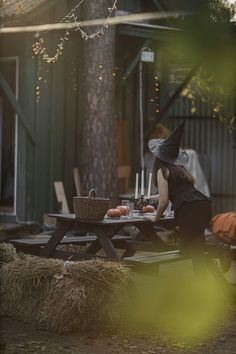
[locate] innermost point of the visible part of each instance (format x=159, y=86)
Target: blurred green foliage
x=209, y=39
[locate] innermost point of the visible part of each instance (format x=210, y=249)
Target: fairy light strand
x=40, y=50
x=41, y=53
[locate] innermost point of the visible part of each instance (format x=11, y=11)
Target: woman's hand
x=153, y=197
x=152, y=218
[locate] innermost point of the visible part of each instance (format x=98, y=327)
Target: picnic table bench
x=149, y=262
x=34, y=245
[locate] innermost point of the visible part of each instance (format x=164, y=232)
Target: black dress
x=192, y=209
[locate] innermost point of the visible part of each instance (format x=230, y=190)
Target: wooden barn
x=41, y=104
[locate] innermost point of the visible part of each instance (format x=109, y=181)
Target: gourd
x=122, y=209
x=113, y=213
x=148, y=209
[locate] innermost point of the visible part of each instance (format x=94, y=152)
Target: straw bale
x=63, y=296
x=7, y=253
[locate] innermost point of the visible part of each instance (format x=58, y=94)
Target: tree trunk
x=99, y=148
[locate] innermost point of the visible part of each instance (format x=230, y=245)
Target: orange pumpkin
x=148, y=209
x=122, y=209
x=224, y=225
x=113, y=213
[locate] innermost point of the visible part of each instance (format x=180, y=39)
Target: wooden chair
x=77, y=182
x=61, y=197
x=124, y=172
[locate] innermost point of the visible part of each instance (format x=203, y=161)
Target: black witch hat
x=168, y=150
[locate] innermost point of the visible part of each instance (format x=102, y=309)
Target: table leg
x=147, y=233
x=63, y=227
x=219, y=277
x=107, y=245
x=96, y=245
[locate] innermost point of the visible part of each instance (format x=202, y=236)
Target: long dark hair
x=178, y=171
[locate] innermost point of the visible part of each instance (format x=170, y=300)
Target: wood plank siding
x=53, y=119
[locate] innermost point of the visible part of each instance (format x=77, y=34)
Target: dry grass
x=62, y=296
x=7, y=253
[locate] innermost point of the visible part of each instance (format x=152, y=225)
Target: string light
x=115, y=71
x=154, y=100
x=40, y=50
x=157, y=89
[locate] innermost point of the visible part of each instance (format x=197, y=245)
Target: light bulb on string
x=40, y=51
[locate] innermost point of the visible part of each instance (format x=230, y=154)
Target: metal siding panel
x=214, y=144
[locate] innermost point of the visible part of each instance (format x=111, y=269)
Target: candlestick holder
x=136, y=203
x=141, y=203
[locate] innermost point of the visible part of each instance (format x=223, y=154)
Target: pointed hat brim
x=155, y=146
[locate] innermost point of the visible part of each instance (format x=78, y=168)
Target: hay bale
x=7, y=253
x=63, y=296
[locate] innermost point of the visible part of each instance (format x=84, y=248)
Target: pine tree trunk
x=98, y=128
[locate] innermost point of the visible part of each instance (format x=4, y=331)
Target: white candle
x=142, y=182
x=149, y=185
x=136, y=187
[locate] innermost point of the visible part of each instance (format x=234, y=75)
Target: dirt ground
x=20, y=338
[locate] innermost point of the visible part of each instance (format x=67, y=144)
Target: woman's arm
x=154, y=197
x=163, y=195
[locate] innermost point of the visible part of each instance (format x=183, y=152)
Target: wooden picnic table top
x=137, y=218
x=106, y=236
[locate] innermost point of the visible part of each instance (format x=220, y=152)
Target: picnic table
x=105, y=231
x=103, y=236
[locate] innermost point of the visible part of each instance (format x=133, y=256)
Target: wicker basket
x=90, y=208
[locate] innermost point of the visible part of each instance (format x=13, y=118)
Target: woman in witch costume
x=192, y=209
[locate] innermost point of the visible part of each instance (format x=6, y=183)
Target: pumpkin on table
x=148, y=209
x=114, y=213
x=122, y=209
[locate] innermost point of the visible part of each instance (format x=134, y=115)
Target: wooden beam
x=160, y=8
x=97, y=22
x=17, y=108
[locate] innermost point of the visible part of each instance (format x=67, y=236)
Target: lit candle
x=142, y=182
x=136, y=187
x=149, y=185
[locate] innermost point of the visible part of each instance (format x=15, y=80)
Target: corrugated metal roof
x=15, y=8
